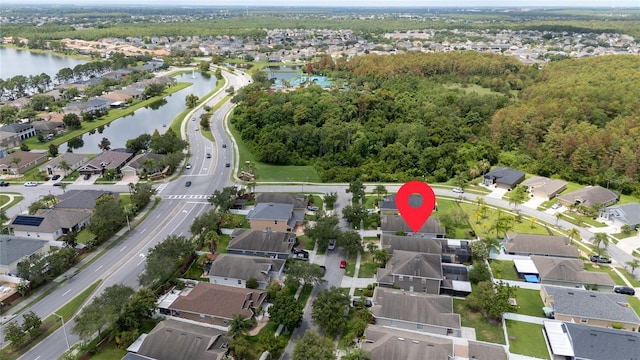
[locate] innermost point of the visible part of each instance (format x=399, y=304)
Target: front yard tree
x=107, y=219
x=286, y=310
x=328, y=310
x=600, y=238
x=224, y=199
x=354, y=214
x=325, y=229
x=314, y=346
x=142, y=193
x=633, y=264
x=330, y=200
x=139, y=307
x=356, y=189
x=72, y=121
x=518, y=196
x=305, y=272
x=351, y=242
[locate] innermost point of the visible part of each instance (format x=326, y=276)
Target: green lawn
x=223, y=243
x=635, y=304
x=266, y=172
x=110, y=352
x=483, y=225
x=485, y=331
x=84, y=236
x=308, y=243
x=634, y=282
x=529, y=302
x=526, y=339
x=504, y=269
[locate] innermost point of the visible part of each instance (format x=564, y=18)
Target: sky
x=356, y=3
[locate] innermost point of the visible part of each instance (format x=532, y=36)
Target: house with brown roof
x=543, y=187
x=235, y=270
x=543, y=245
x=589, y=196
x=9, y=140
x=416, y=312
x=395, y=224
x=211, y=303
x=28, y=160
x=273, y=244
x=106, y=160
x=73, y=161
x=49, y=224
x=570, y=273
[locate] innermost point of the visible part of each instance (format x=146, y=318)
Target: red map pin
x=415, y=217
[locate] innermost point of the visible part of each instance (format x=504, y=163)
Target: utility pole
x=64, y=330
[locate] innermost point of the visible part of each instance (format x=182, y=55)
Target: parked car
x=332, y=244
x=625, y=290
x=556, y=206
x=87, y=176
x=31, y=183
x=361, y=302
x=313, y=208
x=55, y=177
x=458, y=190
x=600, y=259
x=187, y=184
x=4, y=183
x=343, y=264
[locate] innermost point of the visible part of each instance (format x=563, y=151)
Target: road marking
x=99, y=267
x=124, y=247
x=37, y=358
x=158, y=217
x=139, y=263
x=142, y=231
x=66, y=292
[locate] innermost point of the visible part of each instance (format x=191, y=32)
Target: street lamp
x=64, y=330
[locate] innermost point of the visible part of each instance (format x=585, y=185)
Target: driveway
x=82, y=181
x=128, y=179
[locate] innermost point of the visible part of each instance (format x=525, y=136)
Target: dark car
x=87, y=176
x=224, y=146
x=227, y=165
x=55, y=177
x=4, y=183
x=57, y=183
x=208, y=155
x=187, y=184
x=361, y=302
x=600, y=259
x=625, y=290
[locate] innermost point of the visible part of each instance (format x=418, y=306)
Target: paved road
x=174, y=215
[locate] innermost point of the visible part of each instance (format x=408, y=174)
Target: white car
x=332, y=244
x=31, y=183
x=458, y=190
x=188, y=166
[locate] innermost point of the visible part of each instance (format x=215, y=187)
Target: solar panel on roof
x=28, y=220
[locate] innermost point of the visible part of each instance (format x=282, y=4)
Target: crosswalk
x=185, y=197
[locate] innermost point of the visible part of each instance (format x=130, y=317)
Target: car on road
x=600, y=259
x=55, y=177
x=4, y=183
x=30, y=183
x=224, y=146
x=193, y=119
x=227, y=165
x=332, y=244
x=197, y=129
x=624, y=290
x=187, y=184
x=87, y=176
x=343, y=264
x=188, y=166
x=458, y=190
x=208, y=155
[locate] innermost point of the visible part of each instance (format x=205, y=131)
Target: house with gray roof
x=621, y=215
x=49, y=224
x=24, y=131
x=570, y=273
x=136, y=166
x=590, y=307
x=543, y=187
x=93, y=106
x=274, y=217
x=543, y=245
x=72, y=160
x=452, y=250
x=14, y=249
x=235, y=270
x=27, y=161
x=273, y=244
x=411, y=271
x=388, y=204
x=589, y=196
x=106, y=160
x=581, y=342
x=503, y=177
x=298, y=201
x=416, y=312
x=81, y=200
x=175, y=339
x=395, y=224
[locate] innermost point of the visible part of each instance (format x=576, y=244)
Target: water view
x=15, y=62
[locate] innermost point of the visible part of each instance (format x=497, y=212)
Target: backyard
x=529, y=302
x=485, y=331
x=526, y=339
x=504, y=269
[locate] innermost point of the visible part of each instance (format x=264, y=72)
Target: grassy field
x=634, y=282
x=485, y=331
x=504, y=269
x=482, y=226
x=266, y=172
x=529, y=302
x=526, y=339
x=635, y=304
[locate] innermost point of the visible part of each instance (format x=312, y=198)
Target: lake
x=21, y=62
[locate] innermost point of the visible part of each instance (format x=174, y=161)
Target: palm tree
x=64, y=165
x=600, y=238
x=492, y=244
x=558, y=215
x=574, y=234
x=238, y=327
x=381, y=256
x=533, y=222
x=480, y=202
x=633, y=264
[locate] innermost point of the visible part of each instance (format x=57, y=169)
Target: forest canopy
x=416, y=116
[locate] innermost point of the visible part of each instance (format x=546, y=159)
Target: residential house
x=48, y=128
x=543, y=245
x=211, y=303
x=14, y=249
x=452, y=250
x=503, y=177
x=273, y=244
x=235, y=270
x=621, y=215
x=388, y=204
x=148, y=163
x=93, y=106
x=274, y=217
x=589, y=196
x=416, y=312
x=570, y=273
x=411, y=271
x=590, y=307
x=72, y=160
x=174, y=339
x=9, y=139
x=582, y=342
x=395, y=224
x=298, y=201
x=81, y=200
x=106, y=160
x=23, y=130
x=543, y=187
x=49, y=224
x=28, y=160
